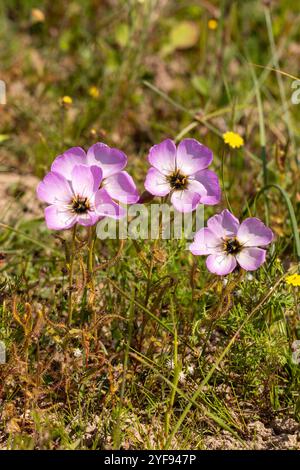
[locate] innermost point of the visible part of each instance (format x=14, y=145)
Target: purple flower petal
x=251, y=259
x=105, y=206
x=110, y=160
x=192, y=156
x=252, y=232
x=59, y=218
x=185, y=201
x=207, y=184
x=54, y=188
x=221, y=264
x=224, y=224
x=64, y=164
x=156, y=183
x=122, y=188
x=205, y=243
x=163, y=156
x=86, y=180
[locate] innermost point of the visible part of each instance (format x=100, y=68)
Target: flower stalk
x=71, y=275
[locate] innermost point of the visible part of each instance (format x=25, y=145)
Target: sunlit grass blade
x=291, y=211
x=219, y=360
x=31, y=239
x=150, y=364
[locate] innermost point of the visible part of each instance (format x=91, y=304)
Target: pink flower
x=77, y=199
x=228, y=243
x=82, y=188
x=182, y=172
x=118, y=183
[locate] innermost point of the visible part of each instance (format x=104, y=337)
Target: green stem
x=223, y=181
x=150, y=271
x=91, y=277
x=262, y=133
x=117, y=428
x=90, y=260
x=71, y=273
x=177, y=369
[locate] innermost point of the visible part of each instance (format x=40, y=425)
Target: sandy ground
x=283, y=433
x=17, y=197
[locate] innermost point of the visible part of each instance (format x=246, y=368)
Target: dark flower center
x=80, y=205
x=177, y=180
x=232, y=246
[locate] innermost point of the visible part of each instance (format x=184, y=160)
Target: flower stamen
x=232, y=246
x=177, y=180
x=80, y=205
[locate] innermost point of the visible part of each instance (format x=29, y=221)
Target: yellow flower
x=293, y=280
x=233, y=140
x=212, y=24
x=94, y=92
x=37, y=16
x=66, y=101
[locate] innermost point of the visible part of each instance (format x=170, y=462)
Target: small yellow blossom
x=37, y=16
x=212, y=24
x=233, y=139
x=66, y=101
x=94, y=92
x=293, y=280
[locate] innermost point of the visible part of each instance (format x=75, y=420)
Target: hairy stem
x=71, y=273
